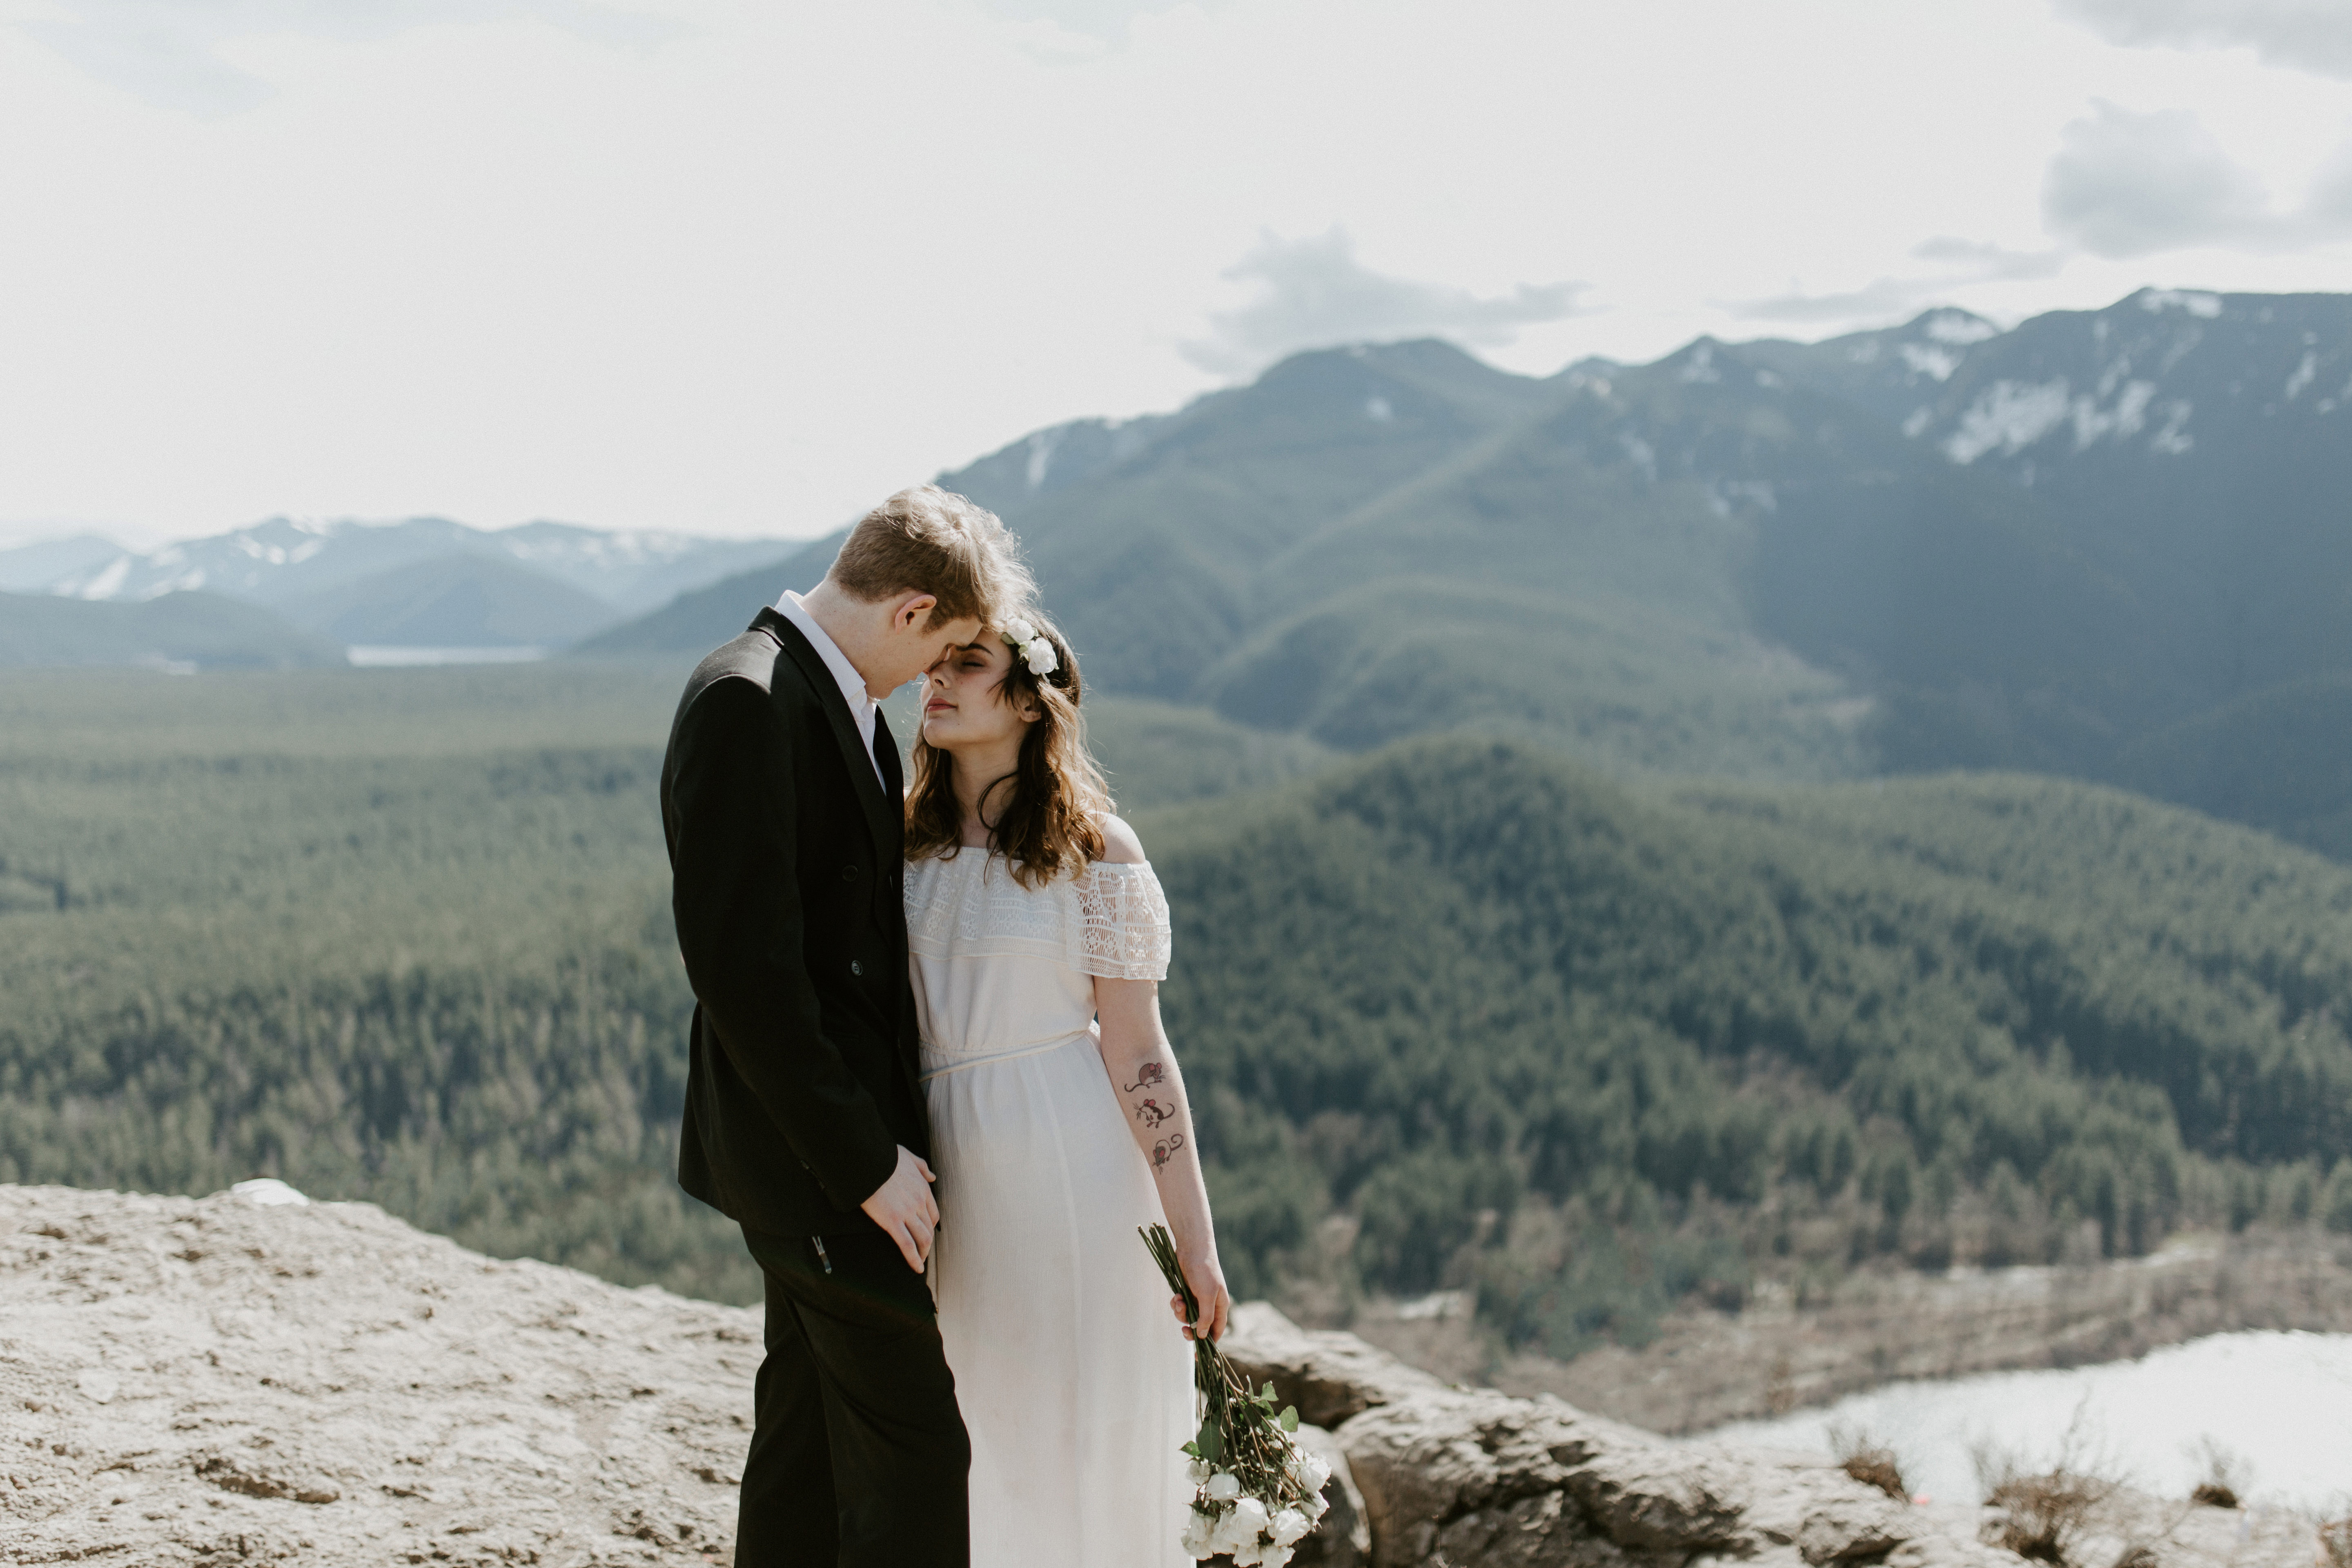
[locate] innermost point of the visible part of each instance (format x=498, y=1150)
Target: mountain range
x=2106, y=543
x=2109, y=544
x=421, y=581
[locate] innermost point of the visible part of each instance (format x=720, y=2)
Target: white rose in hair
x=1018, y=631
x=1039, y=654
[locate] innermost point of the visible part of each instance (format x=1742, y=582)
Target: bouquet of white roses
x=1256, y=1493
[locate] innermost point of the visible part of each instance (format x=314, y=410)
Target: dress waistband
x=949, y=1062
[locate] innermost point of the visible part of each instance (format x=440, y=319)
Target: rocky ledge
x=214, y=1380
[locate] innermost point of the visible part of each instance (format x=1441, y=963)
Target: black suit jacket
x=785, y=857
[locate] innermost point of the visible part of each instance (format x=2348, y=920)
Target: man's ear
x=912, y=611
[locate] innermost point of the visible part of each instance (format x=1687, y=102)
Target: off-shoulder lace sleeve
x=1123, y=925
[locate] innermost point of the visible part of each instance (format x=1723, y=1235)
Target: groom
x=781, y=801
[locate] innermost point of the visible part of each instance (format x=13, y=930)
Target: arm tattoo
x=1151, y=1113
x=1149, y=1074
x=1164, y=1151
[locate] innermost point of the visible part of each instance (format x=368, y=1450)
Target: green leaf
x=1211, y=1441
x=1192, y=1449
x=1290, y=1418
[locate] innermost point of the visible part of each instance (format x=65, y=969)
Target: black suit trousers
x=860, y=1454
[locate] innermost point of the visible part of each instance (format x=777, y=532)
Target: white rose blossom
x=1199, y=1471
x=1018, y=631
x=1287, y=1526
x=1224, y=1488
x=1200, y=1533
x=1040, y=656
x=1277, y=1556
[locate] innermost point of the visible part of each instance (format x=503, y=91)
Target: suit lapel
x=882, y=817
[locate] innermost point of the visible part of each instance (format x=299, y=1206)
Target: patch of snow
x=2127, y=419
x=2201, y=305
x=2304, y=374
x=2010, y=415
x=2173, y=439
x=1041, y=455
x=1378, y=408
x=1758, y=493
x=1767, y=379
x=107, y=583
x=186, y=582
x=1645, y=456
x=1959, y=328
x=1702, y=365
x=1925, y=360
x=267, y=1191
x=386, y=657
x=1921, y=417
x=2281, y=1401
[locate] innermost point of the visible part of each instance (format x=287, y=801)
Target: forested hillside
x=1460, y=1013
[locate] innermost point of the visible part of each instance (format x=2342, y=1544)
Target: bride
x=1037, y=934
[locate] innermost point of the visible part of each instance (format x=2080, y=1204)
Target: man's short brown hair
x=930, y=541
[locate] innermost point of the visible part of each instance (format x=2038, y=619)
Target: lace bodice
x=1002, y=968
x=1110, y=921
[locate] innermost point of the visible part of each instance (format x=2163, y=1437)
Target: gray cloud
x=2308, y=35
x=2127, y=184
x=1314, y=293
x=165, y=52
x=1962, y=262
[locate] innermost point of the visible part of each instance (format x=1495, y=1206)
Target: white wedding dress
x=1075, y=1383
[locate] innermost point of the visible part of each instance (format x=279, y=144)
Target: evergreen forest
x=1459, y=1013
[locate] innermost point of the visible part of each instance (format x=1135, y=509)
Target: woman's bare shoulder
x=1120, y=846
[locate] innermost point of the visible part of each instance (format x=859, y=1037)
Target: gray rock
x=1343, y=1537
x=1330, y=1376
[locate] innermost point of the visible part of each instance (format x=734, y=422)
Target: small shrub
x=1868, y=1460
x=1876, y=1468
x=2044, y=1514
x=2225, y=1475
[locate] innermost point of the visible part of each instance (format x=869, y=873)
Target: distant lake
x=379, y=658
x=2282, y=1402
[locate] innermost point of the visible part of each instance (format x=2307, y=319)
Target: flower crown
x=1025, y=640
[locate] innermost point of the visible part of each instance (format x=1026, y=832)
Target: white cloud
x=500, y=260
x=1962, y=262
x=2307, y=35
x=1314, y=293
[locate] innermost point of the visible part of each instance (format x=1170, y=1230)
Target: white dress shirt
x=852, y=685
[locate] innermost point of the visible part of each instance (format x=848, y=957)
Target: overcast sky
x=743, y=266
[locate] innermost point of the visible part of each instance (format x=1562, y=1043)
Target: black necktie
x=886, y=758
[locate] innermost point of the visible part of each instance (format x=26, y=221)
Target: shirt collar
x=852, y=685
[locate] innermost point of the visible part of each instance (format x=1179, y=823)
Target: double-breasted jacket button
x=849, y=873
x=855, y=967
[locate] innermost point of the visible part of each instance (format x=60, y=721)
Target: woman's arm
x=1151, y=1089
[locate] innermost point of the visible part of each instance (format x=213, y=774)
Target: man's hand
x=902, y=1207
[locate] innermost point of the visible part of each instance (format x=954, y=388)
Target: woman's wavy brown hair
x=1046, y=822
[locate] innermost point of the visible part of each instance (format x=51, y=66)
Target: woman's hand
x=1207, y=1278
